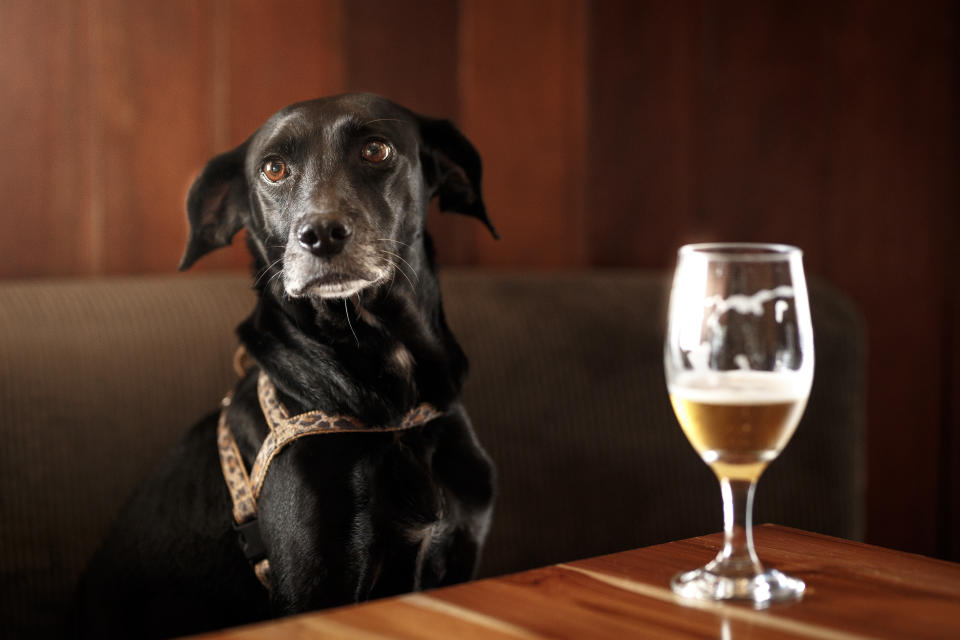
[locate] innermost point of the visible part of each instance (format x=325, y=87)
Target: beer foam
x=744, y=304
x=741, y=387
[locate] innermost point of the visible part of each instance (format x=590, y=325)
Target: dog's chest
x=386, y=484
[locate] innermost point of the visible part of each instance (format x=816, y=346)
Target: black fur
x=344, y=517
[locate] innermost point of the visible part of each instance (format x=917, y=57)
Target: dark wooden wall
x=612, y=131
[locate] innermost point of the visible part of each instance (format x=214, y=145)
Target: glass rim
x=742, y=251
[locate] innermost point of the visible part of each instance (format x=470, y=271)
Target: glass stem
x=737, y=556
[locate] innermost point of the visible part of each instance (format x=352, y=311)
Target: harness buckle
x=251, y=542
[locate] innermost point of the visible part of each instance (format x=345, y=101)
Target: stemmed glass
x=739, y=366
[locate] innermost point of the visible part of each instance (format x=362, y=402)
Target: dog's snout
x=323, y=236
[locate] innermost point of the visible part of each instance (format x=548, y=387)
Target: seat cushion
x=98, y=378
x=567, y=393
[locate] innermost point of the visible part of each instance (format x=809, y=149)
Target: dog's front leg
x=467, y=474
x=311, y=520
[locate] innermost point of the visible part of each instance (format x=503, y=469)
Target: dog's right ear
x=453, y=170
x=216, y=205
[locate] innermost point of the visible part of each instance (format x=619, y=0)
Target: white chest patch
x=401, y=361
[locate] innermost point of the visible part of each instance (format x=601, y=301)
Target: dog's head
x=334, y=192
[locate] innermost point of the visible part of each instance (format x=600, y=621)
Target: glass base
x=760, y=589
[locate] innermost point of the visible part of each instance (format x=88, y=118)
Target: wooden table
x=853, y=591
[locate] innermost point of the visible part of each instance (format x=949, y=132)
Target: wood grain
x=151, y=134
x=413, y=58
x=888, y=199
x=409, y=56
x=266, y=59
x=645, y=119
x=853, y=591
x=789, y=123
x=280, y=55
x=524, y=106
x=46, y=126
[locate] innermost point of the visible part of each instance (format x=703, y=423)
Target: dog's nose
x=323, y=236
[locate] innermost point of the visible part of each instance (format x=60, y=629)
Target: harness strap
x=283, y=429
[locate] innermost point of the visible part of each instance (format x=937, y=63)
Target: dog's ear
x=453, y=170
x=216, y=205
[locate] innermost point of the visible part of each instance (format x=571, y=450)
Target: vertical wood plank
x=265, y=59
x=153, y=99
x=950, y=438
x=281, y=55
x=761, y=145
x=524, y=105
x=404, y=52
x=824, y=126
x=45, y=126
x=411, y=57
x=645, y=119
x=706, y=125
x=892, y=168
x=950, y=501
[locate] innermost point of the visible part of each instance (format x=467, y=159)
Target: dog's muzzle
x=326, y=258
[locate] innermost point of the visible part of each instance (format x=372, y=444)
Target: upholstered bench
x=98, y=377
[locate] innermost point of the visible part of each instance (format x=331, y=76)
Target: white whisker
x=350, y=324
x=392, y=240
x=393, y=276
x=266, y=270
x=399, y=269
x=412, y=270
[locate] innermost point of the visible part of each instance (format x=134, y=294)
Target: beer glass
x=739, y=366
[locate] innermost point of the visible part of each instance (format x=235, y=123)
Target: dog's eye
x=274, y=169
x=376, y=151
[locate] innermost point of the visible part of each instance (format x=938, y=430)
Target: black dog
x=333, y=195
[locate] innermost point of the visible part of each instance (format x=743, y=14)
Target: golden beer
x=739, y=425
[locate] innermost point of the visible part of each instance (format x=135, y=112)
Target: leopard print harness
x=245, y=487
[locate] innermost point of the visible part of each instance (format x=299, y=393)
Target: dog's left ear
x=453, y=170
x=216, y=205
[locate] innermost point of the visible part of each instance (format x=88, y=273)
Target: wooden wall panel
x=829, y=128
x=611, y=133
x=708, y=124
x=523, y=102
x=950, y=460
x=892, y=166
x=46, y=131
x=645, y=119
x=406, y=53
x=413, y=58
x=265, y=59
x=152, y=98
x=280, y=55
